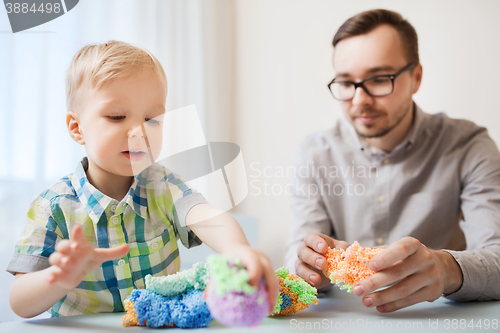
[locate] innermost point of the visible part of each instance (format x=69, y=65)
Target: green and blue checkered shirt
x=150, y=218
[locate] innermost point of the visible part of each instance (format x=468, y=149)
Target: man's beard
x=385, y=130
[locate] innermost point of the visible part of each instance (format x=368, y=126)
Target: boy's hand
x=75, y=258
x=257, y=265
x=311, y=261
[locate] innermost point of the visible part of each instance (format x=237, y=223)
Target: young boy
x=93, y=236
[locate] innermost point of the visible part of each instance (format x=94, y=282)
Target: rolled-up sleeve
x=480, y=204
x=38, y=240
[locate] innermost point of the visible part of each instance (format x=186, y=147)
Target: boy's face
x=119, y=120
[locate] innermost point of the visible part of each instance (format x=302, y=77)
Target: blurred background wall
x=257, y=71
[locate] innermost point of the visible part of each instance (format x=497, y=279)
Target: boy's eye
x=152, y=121
x=116, y=117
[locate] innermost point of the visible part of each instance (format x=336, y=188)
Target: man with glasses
x=425, y=186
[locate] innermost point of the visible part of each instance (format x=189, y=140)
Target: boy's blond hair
x=99, y=64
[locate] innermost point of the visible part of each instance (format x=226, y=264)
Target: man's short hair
x=99, y=64
x=365, y=22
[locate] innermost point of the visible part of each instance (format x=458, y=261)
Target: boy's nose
x=136, y=132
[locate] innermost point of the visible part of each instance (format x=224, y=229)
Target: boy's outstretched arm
x=34, y=293
x=221, y=232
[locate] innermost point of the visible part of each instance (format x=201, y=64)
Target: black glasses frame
x=361, y=84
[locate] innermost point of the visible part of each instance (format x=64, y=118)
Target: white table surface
x=338, y=311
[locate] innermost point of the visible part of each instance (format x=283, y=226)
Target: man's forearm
x=454, y=278
x=31, y=293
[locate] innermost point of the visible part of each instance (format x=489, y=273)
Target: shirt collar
x=137, y=194
x=410, y=138
x=95, y=202
x=415, y=129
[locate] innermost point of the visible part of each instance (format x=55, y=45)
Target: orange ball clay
x=130, y=319
x=346, y=267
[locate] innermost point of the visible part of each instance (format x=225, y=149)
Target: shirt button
x=386, y=161
x=380, y=241
x=113, y=208
x=115, y=220
x=381, y=198
x=121, y=262
x=154, y=246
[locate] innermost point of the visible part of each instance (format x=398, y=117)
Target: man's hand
x=257, y=265
x=76, y=258
x=311, y=261
x=418, y=273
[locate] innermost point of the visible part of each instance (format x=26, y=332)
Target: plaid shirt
x=150, y=218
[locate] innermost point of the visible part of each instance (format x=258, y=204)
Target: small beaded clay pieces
x=346, y=267
x=294, y=294
x=231, y=299
x=172, y=300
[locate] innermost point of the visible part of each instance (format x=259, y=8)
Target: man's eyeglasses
x=375, y=86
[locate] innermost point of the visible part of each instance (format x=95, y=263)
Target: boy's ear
x=74, y=128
